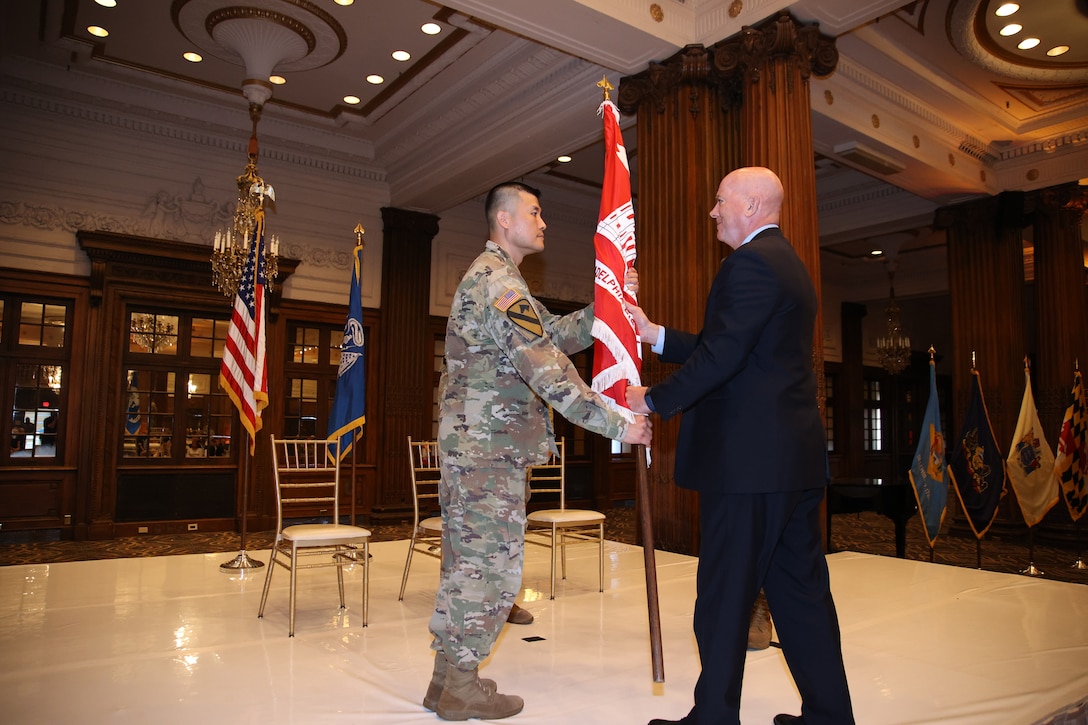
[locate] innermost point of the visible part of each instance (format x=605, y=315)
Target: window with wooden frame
x=35, y=347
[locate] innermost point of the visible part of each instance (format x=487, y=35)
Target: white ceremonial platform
x=175, y=639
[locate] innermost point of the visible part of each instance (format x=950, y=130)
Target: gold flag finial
x=605, y=86
x=359, y=232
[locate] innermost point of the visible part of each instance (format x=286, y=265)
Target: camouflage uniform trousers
x=483, y=538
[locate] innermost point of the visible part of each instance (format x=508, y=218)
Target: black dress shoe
x=788, y=720
x=659, y=721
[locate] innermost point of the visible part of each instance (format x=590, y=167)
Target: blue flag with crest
x=976, y=465
x=349, y=404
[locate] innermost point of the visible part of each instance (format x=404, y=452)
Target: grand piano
x=894, y=499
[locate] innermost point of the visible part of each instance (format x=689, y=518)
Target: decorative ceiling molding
x=865, y=77
x=1048, y=98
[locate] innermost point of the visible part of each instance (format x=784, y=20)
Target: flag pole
x=358, y=231
x=617, y=356
x=243, y=560
x=652, y=604
x=1031, y=569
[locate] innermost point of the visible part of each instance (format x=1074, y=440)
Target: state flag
x=1071, y=462
x=927, y=471
x=1031, y=462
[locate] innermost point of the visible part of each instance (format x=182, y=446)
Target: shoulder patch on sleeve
x=522, y=313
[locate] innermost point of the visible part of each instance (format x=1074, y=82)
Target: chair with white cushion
x=426, y=530
x=307, y=475
x=560, y=527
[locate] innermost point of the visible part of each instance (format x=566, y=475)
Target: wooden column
x=405, y=351
x=1061, y=307
x=986, y=294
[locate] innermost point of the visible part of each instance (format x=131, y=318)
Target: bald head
x=747, y=199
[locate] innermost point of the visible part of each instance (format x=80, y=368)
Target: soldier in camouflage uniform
x=505, y=365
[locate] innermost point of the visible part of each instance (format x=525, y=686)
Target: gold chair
x=426, y=532
x=557, y=528
x=307, y=472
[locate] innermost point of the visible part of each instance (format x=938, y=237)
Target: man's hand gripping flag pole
x=617, y=352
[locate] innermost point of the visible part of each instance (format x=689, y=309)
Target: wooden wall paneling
x=129, y=270
x=405, y=349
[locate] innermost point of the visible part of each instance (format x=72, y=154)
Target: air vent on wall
x=866, y=158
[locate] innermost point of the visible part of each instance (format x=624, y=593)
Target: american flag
x=617, y=354
x=243, y=373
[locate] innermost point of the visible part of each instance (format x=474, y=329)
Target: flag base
x=242, y=561
x=1032, y=570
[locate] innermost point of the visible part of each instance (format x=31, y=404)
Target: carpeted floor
x=867, y=533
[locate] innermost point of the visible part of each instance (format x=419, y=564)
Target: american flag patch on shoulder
x=508, y=298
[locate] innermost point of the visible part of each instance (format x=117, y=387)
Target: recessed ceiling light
x=876, y=253
x=375, y=79
x=401, y=55
x=1027, y=43
x=277, y=80
x=431, y=28
x=352, y=100
x=564, y=159
x=1006, y=10
x=1058, y=50
x=97, y=31
x=107, y=3
x=192, y=57
x=1011, y=29
x=344, y=2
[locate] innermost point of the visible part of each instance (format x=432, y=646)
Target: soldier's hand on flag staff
x=636, y=400
x=639, y=432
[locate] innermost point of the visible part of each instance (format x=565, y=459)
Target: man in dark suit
x=752, y=444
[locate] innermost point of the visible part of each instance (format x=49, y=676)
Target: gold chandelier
x=893, y=348
x=231, y=247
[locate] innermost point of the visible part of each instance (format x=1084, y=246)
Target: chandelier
x=150, y=331
x=231, y=247
x=893, y=348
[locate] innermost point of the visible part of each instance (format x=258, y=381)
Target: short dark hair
x=503, y=193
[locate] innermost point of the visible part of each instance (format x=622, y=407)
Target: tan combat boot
x=759, y=627
x=438, y=683
x=465, y=696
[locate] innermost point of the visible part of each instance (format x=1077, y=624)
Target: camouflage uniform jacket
x=505, y=364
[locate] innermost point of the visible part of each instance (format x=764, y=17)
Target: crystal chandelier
x=148, y=330
x=231, y=247
x=893, y=348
